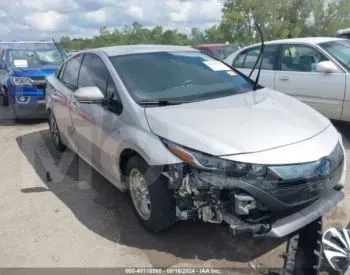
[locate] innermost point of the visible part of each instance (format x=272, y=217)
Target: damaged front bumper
x=305, y=216
x=260, y=208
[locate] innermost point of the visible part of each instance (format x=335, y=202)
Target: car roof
x=309, y=40
x=211, y=45
x=136, y=49
x=306, y=40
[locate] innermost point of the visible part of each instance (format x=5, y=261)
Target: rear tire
x=55, y=133
x=157, y=210
x=5, y=102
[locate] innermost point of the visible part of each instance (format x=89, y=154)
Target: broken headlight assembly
x=248, y=171
x=207, y=162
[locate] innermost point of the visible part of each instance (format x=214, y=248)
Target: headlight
x=208, y=162
x=298, y=171
x=21, y=80
x=273, y=173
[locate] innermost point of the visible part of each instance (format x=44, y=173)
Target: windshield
x=340, y=50
x=25, y=58
x=178, y=76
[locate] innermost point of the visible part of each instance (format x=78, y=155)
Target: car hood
x=244, y=123
x=35, y=71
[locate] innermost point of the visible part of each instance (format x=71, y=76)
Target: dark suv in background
x=344, y=33
x=23, y=68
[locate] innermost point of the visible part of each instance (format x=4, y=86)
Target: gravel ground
x=81, y=220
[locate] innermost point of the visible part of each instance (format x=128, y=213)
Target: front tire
x=12, y=109
x=151, y=198
x=55, y=133
x=303, y=255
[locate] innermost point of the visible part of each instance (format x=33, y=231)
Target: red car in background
x=219, y=51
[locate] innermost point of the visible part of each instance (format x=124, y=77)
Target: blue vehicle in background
x=23, y=69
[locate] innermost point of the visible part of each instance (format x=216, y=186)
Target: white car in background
x=314, y=70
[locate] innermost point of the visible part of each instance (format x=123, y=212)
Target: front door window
x=300, y=58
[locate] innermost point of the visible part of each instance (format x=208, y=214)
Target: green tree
x=277, y=18
x=214, y=34
x=329, y=18
x=283, y=18
x=197, y=37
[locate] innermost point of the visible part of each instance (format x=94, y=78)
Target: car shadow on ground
x=103, y=209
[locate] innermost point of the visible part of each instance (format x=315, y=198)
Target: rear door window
x=248, y=58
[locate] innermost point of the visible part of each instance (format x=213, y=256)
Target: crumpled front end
x=283, y=199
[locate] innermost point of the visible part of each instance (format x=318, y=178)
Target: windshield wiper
x=260, y=58
x=161, y=102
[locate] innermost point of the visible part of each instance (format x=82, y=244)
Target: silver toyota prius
x=191, y=138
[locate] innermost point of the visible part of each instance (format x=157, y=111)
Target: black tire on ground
x=303, y=255
x=12, y=114
x=5, y=101
x=12, y=110
x=163, y=213
x=2, y=100
x=57, y=142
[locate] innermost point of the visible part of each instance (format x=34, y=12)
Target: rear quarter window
x=59, y=71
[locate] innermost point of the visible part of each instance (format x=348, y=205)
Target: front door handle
x=284, y=78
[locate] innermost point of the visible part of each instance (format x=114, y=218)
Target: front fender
x=139, y=140
x=145, y=144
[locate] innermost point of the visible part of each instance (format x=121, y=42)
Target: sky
x=46, y=19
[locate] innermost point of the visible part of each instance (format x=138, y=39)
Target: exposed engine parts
x=243, y=204
x=200, y=199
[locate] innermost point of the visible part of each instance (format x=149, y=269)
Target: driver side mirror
x=327, y=67
x=89, y=95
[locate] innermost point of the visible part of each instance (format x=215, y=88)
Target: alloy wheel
x=55, y=135
x=140, y=194
x=336, y=248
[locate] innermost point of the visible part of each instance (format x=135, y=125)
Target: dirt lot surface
x=80, y=220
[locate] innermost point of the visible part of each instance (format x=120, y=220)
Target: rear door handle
x=284, y=78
